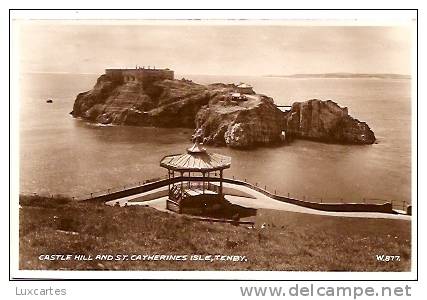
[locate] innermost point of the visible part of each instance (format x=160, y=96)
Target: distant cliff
x=225, y=119
x=348, y=75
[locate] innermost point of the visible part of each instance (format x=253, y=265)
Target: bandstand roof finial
x=197, y=139
x=196, y=159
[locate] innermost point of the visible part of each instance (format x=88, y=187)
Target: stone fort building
x=140, y=74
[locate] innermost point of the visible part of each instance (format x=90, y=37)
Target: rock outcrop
x=326, y=121
x=223, y=118
x=243, y=124
x=164, y=103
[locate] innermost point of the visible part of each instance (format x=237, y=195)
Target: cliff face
x=256, y=121
x=182, y=103
x=164, y=103
x=222, y=118
x=326, y=121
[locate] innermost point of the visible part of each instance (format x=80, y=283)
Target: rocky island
x=226, y=114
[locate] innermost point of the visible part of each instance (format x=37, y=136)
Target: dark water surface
x=62, y=155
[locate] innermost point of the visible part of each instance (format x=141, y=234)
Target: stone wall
x=140, y=74
x=333, y=207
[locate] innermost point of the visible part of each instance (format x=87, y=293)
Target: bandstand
x=195, y=187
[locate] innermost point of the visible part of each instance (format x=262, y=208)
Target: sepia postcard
x=229, y=145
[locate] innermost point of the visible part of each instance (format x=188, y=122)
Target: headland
x=228, y=114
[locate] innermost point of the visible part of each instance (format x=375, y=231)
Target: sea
x=61, y=155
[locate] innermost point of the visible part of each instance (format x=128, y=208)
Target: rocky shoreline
x=224, y=119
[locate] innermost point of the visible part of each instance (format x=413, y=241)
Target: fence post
x=265, y=187
x=256, y=183
x=288, y=195
x=91, y=195
x=321, y=200
x=274, y=192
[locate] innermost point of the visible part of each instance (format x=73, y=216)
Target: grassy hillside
x=299, y=241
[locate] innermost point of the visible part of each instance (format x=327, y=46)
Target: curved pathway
x=259, y=201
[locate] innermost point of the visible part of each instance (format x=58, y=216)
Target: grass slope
x=302, y=243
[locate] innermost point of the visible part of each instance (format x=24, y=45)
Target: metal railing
x=116, y=189
x=396, y=203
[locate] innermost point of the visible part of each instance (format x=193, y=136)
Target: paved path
x=260, y=201
x=263, y=201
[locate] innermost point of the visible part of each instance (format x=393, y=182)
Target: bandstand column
x=182, y=179
x=169, y=182
x=220, y=183
x=203, y=182
x=173, y=176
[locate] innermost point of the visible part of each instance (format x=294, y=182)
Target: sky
x=74, y=47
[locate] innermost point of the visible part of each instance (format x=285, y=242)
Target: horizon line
x=245, y=75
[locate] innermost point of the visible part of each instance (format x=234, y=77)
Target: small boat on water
x=49, y=101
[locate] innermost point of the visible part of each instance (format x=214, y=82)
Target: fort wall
x=140, y=74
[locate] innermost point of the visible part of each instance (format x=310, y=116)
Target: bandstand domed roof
x=196, y=159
